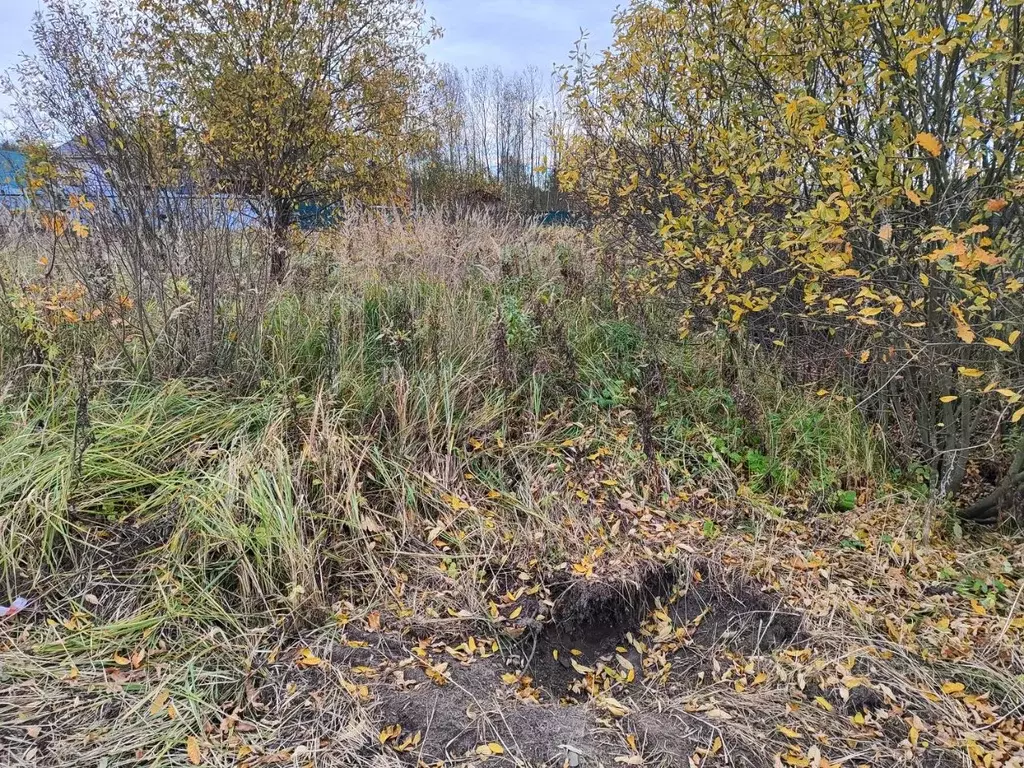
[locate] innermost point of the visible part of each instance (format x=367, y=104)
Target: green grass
x=387, y=383
x=206, y=519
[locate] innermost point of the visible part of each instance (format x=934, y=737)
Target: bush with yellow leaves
x=840, y=180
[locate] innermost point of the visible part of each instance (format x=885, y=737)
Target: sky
x=512, y=34
x=517, y=33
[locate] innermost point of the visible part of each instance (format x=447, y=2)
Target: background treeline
x=496, y=140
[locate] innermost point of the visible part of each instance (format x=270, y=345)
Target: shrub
x=838, y=180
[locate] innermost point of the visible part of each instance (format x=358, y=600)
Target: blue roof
x=12, y=170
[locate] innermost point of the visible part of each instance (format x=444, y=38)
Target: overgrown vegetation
x=441, y=487
x=836, y=179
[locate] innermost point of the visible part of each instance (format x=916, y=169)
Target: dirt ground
x=811, y=644
x=612, y=674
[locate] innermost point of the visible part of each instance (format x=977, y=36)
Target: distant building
x=12, y=173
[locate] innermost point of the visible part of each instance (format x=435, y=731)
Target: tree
x=294, y=101
x=839, y=180
x=494, y=134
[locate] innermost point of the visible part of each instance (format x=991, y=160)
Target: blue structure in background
x=234, y=212
x=557, y=219
x=221, y=210
x=313, y=215
x=12, y=171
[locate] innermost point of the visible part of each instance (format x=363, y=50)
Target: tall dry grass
x=413, y=381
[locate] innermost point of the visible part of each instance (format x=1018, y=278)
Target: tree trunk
x=279, y=247
x=988, y=508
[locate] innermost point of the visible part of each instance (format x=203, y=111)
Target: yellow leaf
x=192, y=747
x=454, y=502
x=963, y=330
x=1013, y=337
x=306, y=658
x=948, y=399
x=822, y=702
x=913, y=196
x=972, y=373
x=951, y=688
x=789, y=732
x=999, y=344
x=929, y=144
x=158, y=702
x=1018, y=416
x=79, y=229
x=924, y=279
x=516, y=612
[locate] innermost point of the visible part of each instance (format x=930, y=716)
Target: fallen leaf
x=192, y=747
x=158, y=702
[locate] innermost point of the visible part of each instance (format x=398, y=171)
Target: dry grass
x=436, y=433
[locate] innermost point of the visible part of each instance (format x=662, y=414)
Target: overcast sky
x=512, y=34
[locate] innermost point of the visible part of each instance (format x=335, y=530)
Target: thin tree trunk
x=279, y=245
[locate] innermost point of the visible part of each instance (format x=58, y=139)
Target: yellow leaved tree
x=837, y=179
x=293, y=101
